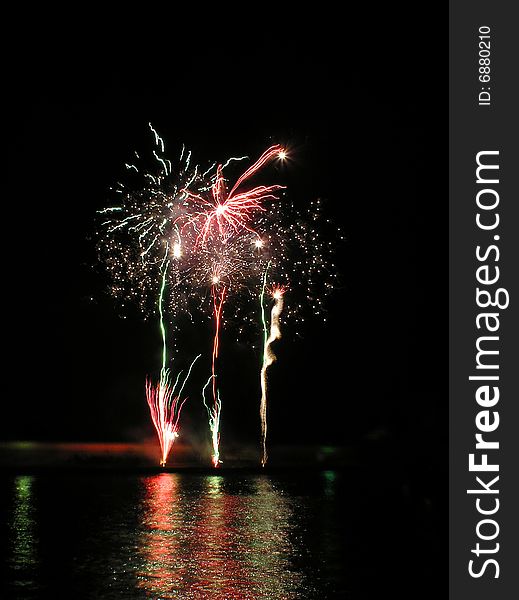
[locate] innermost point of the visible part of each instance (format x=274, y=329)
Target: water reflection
x=23, y=537
x=229, y=540
x=162, y=523
x=329, y=482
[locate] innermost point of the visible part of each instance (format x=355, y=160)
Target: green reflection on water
x=330, y=478
x=23, y=445
x=22, y=524
x=214, y=485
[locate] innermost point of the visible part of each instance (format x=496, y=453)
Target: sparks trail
x=165, y=413
x=227, y=244
x=277, y=292
x=214, y=417
x=224, y=214
x=216, y=244
x=214, y=413
x=164, y=403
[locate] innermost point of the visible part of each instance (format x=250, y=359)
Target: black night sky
x=357, y=99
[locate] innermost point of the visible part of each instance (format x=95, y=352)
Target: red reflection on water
x=221, y=548
x=200, y=540
x=161, y=491
x=160, y=542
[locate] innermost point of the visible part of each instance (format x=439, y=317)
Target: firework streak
x=165, y=405
x=218, y=300
x=225, y=214
x=180, y=227
x=277, y=293
x=222, y=224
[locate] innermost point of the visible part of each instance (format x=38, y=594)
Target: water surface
x=196, y=536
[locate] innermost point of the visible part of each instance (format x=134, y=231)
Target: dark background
x=359, y=99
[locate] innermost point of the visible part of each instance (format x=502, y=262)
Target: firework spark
x=164, y=403
x=277, y=293
x=299, y=244
x=218, y=296
x=224, y=214
x=165, y=413
x=218, y=242
x=139, y=232
x=227, y=248
x=214, y=413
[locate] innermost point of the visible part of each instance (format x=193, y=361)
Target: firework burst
x=225, y=244
x=183, y=227
x=139, y=233
x=223, y=214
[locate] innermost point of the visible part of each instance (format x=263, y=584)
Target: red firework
x=228, y=213
x=277, y=291
x=165, y=413
x=218, y=300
